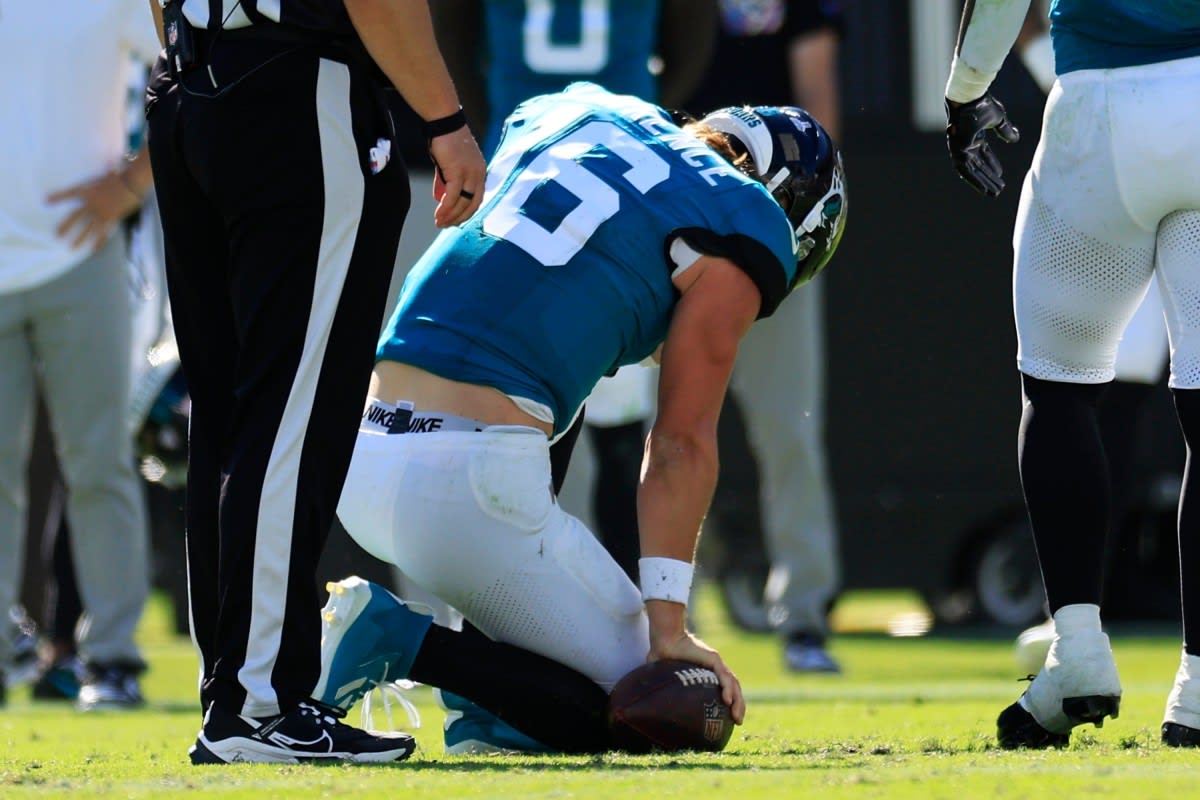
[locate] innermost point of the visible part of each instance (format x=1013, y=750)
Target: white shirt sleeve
x=990, y=31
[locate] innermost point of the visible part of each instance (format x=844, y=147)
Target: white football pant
x=1112, y=198
x=471, y=517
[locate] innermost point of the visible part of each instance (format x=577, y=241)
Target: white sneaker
x=1077, y=684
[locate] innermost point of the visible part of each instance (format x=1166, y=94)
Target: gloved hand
x=967, y=125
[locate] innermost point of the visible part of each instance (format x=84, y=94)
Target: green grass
x=909, y=718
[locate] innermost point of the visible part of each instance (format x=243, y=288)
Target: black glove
x=966, y=136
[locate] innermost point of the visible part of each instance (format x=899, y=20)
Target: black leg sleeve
x=63, y=604
x=542, y=698
x=560, y=453
x=1064, y=475
x=1187, y=406
x=619, y=452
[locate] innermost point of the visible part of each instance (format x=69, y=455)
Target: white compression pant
x=471, y=517
x=1112, y=198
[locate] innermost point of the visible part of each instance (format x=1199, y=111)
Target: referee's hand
x=458, y=179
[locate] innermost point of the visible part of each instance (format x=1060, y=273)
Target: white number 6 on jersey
x=598, y=200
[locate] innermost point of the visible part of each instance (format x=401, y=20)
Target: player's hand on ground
x=100, y=204
x=967, y=126
x=669, y=640
x=458, y=178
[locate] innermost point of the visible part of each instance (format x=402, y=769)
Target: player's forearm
x=399, y=36
x=677, y=484
x=986, y=34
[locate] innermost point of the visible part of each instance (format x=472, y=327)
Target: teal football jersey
x=1106, y=34
x=563, y=274
x=539, y=46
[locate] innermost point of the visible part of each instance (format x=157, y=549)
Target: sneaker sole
x=239, y=750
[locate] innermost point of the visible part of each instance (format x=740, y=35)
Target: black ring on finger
x=466, y=194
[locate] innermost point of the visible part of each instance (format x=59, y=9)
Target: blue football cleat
x=368, y=636
x=471, y=730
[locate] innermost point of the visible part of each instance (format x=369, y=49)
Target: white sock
x=1077, y=618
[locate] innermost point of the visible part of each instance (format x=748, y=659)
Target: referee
x=281, y=207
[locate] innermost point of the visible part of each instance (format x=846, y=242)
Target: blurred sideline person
x=607, y=235
x=784, y=52
x=157, y=421
x=65, y=312
x=281, y=208
x=1081, y=269
x=501, y=52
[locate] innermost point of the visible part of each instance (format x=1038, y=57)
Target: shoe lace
x=325, y=714
x=387, y=692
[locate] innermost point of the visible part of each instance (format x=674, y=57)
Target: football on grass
x=669, y=706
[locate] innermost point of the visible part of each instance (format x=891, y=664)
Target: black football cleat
x=1176, y=735
x=1016, y=728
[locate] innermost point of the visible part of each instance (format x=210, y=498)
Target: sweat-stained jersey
x=563, y=274
x=1106, y=34
x=539, y=46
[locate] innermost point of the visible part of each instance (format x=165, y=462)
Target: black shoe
x=110, y=687
x=60, y=680
x=1016, y=727
x=1176, y=735
x=311, y=732
x=805, y=652
x=23, y=635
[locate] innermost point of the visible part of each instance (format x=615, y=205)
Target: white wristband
x=966, y=83
x=666, y=579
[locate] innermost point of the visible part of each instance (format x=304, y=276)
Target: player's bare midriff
x=392, y=381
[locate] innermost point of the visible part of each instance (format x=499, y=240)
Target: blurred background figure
x=65, y=314
x=779, y=52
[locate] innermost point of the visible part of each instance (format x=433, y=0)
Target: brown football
x=668, y=706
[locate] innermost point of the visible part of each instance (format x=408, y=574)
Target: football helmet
x=793, y=157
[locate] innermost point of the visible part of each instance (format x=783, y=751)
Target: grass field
x=909, y=718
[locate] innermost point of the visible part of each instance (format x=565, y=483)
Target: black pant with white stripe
x=280, y=245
